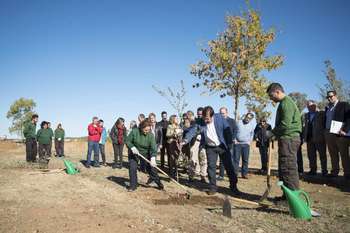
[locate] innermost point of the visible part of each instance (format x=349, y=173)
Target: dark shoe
x=220, y=178
x=87, y=165
x=280, y=198
x=211, y=192
x=312, y=173
x=325, y=173
x=262, y=172
x=96, y=165
x=149, y=181
x=236, y=192
x=245, y=177
x=160, y=186
x=190, y=179
x=332, y=175
x=203, y=180
x=347, y=177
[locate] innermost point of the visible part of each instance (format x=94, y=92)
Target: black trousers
x=44, y=152
x=59, y=147
x=163, y=151
x=287, y=162
x=103, y=152
x=225, y=155
x=133, y=163
x=118, y=153
x=31, y=149
x=312, y=149
x=263, y=150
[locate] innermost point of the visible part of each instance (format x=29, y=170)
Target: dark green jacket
x=145, y=143
x=59, y=133
x=29, y=130
x=288, y=120
x=51, y=132
x=44, y=136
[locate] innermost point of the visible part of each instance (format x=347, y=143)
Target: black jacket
x=341, y=113
x=260, y=135
x=159, y=134
x=164, y=125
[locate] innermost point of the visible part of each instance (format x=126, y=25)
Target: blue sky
x=78, y=59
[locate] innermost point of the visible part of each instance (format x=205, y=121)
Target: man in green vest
x=287, y=131
x=29, y=132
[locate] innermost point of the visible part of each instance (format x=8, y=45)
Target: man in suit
x=338, y=144
x=156, y=130
x=164, y=124
x=218, y=143
x=314, y=138
x=233, y=126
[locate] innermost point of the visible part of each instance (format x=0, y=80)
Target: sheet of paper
x=335, y=127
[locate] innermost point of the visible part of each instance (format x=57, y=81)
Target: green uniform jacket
x=44, y=136
x=51, y=132
x=288, y=120
x=29, y=130
x=59, y=133
x=145, y=143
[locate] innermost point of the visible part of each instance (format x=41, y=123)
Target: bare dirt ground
x=96, y=200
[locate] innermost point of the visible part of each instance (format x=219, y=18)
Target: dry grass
x=96, y=201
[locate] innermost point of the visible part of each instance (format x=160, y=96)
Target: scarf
x=120, y=135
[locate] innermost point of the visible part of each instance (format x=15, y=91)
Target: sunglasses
x=330, y=96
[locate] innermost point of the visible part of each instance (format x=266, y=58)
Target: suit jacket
x=341, y=113
x=158, y=134
x=164, y=125
x=318, y=127
x=233, y=126
x=222, y=128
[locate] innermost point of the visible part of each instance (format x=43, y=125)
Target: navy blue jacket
x=222, y=128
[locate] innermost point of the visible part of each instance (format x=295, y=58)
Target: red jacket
x=94, y=133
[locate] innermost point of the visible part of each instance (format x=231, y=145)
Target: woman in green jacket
x=59, y=140
x=141, y=141
x=44, y=137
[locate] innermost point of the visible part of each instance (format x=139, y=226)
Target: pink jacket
x=94, y=133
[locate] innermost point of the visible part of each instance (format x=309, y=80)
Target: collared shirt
x=330, y=114
x=211, y=136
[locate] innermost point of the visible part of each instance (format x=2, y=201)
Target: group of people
x=199, y=142
x=40, y=142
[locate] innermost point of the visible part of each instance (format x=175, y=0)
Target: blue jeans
x=93, y=146
x=241, y=149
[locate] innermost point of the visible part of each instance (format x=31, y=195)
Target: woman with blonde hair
x=173, y=134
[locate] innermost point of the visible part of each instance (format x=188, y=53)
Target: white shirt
x=211, y=136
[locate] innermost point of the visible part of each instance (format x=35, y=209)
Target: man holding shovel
x=287, y=130
x=218, y=143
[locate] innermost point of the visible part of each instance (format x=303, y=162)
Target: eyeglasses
x=330, y=96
